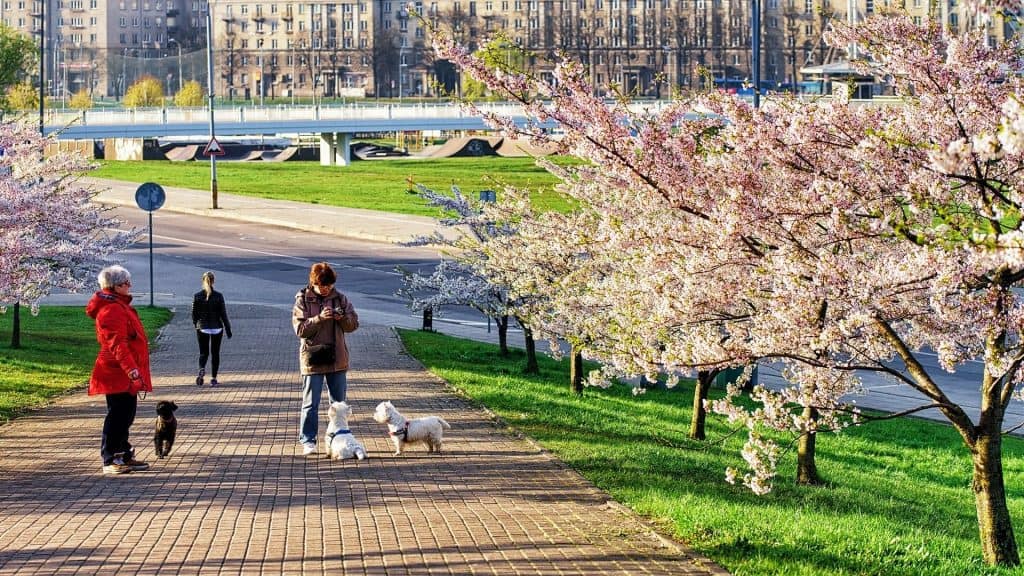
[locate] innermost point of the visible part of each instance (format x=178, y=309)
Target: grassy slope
x=898, y=500
x=58, y=348
x=375, y=185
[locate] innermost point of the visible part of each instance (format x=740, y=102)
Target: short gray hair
x=112, y=276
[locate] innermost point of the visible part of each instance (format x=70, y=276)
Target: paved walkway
x=236, y=497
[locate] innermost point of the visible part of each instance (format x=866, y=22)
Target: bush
x=146, y=92
x=23, y=96
x=81, y=100
x=190, y=95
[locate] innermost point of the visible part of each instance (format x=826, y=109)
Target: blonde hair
x=208, y=284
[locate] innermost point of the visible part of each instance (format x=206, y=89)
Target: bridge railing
x=246, y=114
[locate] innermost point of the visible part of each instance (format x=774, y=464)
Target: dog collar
x=404, y=432
x=336, y=432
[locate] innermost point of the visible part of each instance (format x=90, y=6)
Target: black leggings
x=205, y=341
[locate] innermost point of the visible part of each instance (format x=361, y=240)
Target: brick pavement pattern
x=236, y=497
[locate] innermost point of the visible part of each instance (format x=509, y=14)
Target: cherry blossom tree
x=51, y=235
x=459, y=278
x=831, y=238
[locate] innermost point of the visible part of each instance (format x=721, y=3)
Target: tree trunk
x=16, y=323
x=576, y=371
x=502, y=322
x=531, y=352
x=998, y=545
x=700, y=393
x=806, y=469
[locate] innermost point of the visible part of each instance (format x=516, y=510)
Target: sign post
x=150, y=197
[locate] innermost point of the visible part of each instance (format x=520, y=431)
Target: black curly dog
x=166, y=427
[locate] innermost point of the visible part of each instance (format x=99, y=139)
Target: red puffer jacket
x=123, y=346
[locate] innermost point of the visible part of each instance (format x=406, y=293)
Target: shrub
x=23, y=96
x=146, y=92
x=81, y=100
x=190, y=95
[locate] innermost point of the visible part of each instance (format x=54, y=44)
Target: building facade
x=266, y=49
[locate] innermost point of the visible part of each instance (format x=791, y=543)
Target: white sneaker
x=308, y=449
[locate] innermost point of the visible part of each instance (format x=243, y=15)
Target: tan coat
x=311, y=329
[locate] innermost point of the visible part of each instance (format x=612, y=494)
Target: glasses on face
x=125, y=283
x=324, y=286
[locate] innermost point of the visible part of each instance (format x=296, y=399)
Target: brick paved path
x=235, y=496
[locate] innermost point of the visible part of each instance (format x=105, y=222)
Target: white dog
x=428, y=429
x=340, y=442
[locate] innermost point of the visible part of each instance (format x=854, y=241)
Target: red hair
x=321, y=274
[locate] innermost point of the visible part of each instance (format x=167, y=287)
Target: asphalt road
x=261, y=264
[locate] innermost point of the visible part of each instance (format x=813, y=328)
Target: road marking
x=275, y=254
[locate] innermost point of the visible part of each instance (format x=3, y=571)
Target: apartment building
x=102, y=46
x=279, y=49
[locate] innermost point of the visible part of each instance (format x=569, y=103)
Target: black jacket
x=210, y=312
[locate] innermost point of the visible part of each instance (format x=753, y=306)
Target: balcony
x=287, y=16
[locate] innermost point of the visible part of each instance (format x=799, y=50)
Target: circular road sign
x=150, y=196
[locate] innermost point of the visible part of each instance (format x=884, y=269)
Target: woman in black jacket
x=210, y=317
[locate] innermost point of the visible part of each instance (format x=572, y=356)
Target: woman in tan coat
x=321, y=317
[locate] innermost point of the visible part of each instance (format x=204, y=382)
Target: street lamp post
x=42, y=72
x=401, y=56
x=209, y=81
x=755, y=61
x=54, y=85
x=180, y=84
x=124, y=72
x=262, y=79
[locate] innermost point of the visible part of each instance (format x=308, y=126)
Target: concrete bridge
x=334, y=124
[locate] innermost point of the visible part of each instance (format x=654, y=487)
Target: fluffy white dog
x=340, y=442
x=429, y=429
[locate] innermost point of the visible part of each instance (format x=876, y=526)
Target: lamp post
x=755, y=41
x=42, y=74
x=54, y=85
x=262, y=79
x=209, y=81
x=401, y=57
x=124, y=72
x=180, y=82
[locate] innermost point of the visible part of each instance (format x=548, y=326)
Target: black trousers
x=120, y=416
x=209, y=348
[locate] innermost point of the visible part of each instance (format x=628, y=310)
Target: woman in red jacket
x=122, y=366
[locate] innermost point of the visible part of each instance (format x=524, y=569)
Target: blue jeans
x=312, y=389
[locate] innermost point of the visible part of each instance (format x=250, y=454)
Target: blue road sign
x=150, y=196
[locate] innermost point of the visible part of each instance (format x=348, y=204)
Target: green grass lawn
x=58, y=348
x=898, y=499
x=374, y=185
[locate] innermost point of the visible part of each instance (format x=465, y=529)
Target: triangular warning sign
x=213, y=148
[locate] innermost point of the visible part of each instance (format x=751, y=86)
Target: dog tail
x=443, y=423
